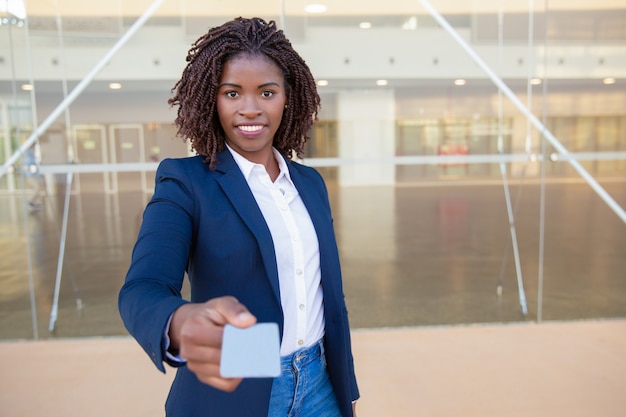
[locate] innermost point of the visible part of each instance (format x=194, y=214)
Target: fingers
x=209, y=373
x=199, y=331
x=224, y=384
x=228, y=310
x=200, y=334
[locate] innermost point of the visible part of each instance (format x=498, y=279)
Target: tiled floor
x=412, y=256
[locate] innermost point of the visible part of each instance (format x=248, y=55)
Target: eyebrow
x=272, y=83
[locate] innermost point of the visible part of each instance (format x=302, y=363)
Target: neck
x=272, y=167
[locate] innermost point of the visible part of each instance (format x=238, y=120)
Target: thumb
x=231, y=311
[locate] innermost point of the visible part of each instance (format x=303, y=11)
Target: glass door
x=128, y=146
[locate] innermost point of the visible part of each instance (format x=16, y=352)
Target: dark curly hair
x=195, y=93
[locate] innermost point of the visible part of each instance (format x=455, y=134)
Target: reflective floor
x=413, y=255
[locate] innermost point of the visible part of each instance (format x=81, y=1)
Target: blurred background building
x=475, y=152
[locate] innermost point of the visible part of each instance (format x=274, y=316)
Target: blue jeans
x=303, y=388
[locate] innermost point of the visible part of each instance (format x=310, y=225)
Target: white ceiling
x=340, y=12
x=296, y=7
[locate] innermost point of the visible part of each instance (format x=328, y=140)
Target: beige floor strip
x=565, y=369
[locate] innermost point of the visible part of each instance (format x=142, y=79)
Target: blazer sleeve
x=152, y=289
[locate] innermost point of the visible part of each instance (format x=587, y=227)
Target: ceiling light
x=315, y=8
x=381, y=82
x=365, y=25
x=322, y=83
x=609, y=81
x=27, y=87
x=12, y=21
x=115, y=86
x=535, y=81
x=460, y=81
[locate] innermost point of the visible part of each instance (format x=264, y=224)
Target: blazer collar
x=236, y=189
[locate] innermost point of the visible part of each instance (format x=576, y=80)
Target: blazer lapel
x=315, y=205
x=238, y=192
x=320, y=216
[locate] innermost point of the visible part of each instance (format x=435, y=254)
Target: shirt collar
x=246, y=166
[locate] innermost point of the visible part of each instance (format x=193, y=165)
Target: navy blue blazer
x=207, y=223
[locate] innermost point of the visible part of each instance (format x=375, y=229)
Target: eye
x=267, y=93
x=231, y=94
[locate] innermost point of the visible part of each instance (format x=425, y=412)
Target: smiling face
x=250, y=103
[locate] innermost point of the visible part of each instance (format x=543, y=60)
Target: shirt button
x=300, y=342
x=299, y=272
x=301, y=306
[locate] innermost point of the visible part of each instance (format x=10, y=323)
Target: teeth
x=251, y=128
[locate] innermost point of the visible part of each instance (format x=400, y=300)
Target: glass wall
x=474, y=152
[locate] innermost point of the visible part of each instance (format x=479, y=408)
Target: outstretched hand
x=196, y=331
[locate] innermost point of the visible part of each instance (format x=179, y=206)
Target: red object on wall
x=453, y=149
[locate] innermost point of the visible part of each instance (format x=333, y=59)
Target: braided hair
x=195, y=93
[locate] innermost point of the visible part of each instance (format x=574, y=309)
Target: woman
x=252, y=230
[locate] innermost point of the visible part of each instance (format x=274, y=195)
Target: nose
x=250, y=107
